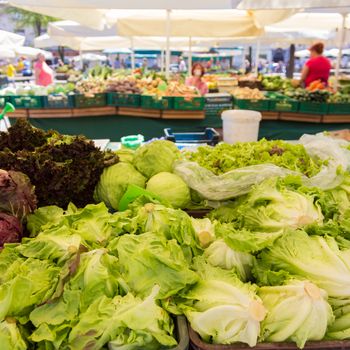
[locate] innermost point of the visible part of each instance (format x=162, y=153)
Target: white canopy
x=90, y=57
x=31, y=52
x=292, y=4
x=6, y=52
x=44, y=41
x=11, y=39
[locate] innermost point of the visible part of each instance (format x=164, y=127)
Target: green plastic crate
x=313, y=107
x=59, y=102
x=286, y=105
x=255, y=105
x=110, y=98
x=127, y=100
x=189, y=104
x=154, y=102
x=82, y=101
x=31, y=102
x=338, y=108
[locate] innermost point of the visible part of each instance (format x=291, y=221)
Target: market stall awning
x=204, y=23
x=293, y=4
x=44, y=41
x=11, y=39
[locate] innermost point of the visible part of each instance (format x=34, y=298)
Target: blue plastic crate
x=209, y=136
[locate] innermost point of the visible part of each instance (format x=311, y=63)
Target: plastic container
x=254, y=105
x=189, y=104
x=198, y=344
x=209, y=136
x=32, y=102
x=127, y=100
x=240, y=125
x=154, y=102
x=132, y=141
x=58, y=101
x=82, y=101
x=338, y=108
x=313, y=107
x=3, y=100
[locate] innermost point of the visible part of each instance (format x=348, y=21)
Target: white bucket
x=240, y=125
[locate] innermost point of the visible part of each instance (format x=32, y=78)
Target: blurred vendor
x=43, y=73
x=10, y=70
x=317, y=67
x=196, y=79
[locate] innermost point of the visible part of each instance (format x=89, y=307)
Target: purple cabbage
x=10, y=229
x=17, y=195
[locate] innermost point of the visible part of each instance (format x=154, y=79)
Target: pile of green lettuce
x=225, y=157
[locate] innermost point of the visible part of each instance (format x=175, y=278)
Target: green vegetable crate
x=313, y=107
x=338, y=108
x=286, y=105
x=127, y=100
x=189, y=104
x=58, y=101
x=82, y=101
x=198, y=344
x=154, y=102
x=256, y=105
x=32, y=102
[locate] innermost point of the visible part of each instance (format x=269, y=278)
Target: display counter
x=109, y=122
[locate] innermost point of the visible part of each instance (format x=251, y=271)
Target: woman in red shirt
x=317, y=67
x=196, y=79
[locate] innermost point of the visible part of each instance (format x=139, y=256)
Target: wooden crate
x=19, y=113
x=50, y=113
x=270, y=115
x=336, y=118
x=172, y=114
x=301, y=117
x=94, y=111
x=139, y=112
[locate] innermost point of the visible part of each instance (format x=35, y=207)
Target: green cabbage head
x=114, y=182
x=156, y=157
x=170, y=188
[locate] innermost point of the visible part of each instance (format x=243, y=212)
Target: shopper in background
x=317, y=67
x=182, y=65
x=196, y=79
x=43, y=73
x=10, y=70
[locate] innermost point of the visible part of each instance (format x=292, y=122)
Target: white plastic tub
x=240, y=125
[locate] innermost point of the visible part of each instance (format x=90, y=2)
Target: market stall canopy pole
x=341, y=43
x=168, y=27
x=132, y=53
x=257, y=54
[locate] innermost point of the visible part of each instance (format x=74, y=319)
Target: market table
x=114, y=127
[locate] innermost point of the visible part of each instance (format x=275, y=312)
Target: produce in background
x=171, y=188
x=10, y=229
x=156, y=157
x=62, y=168
x=114, y=182
x=149, y=259
x=225, y=157
x=126, y=85
x=10, y=336
x=219, y=254
x=91, y=86
x=272, y=83
x=303, y=95
x=16, y=194
x=179, y=89
x=315, y=258
x=297, y=311
x=245, y=93
x=221, y=308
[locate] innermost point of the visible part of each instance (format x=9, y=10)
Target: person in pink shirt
x=317, y=67
x=43, y=73
x=196, y=79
